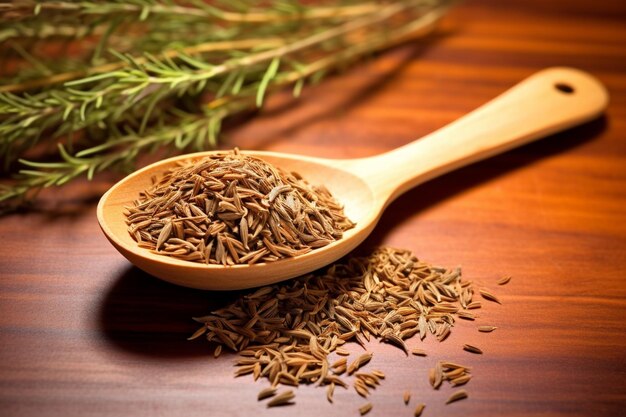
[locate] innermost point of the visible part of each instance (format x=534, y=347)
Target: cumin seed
x=359, y=362
x=284, y=398
x=486, y=329
x=366, y=408
x=489, y=296
x=504, y=280
x=472, y=349
x=217, y=351
x=266, y=393
x=456, y=396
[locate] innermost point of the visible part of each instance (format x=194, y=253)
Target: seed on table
x=284, y=398
x=458, y=395
x=366, y=408
x=504, y=280
x=406, y=397
x=489, y=296
x=486, y=329
x=472, y=349
x=266, y=393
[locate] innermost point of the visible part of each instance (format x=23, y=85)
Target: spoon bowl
x=547, y=102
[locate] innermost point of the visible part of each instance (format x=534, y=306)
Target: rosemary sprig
x=287, y=11
x=102, y=116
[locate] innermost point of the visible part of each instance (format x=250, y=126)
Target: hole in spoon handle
x=564, y=88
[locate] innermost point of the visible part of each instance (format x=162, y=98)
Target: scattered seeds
x=504, y=280
x=218, y=351
x=454, y=373
x=330, y=391
x=437, y=376
x=284, y=398
x=472, y=349
x=452, y=365
x=366, y=408
x=360, y=361
x=379, y=374
x=198, y=333
x=339, y=363
x=396, y=340
x=466, y=315
x=458, y=395
x=342, y=351
x=419, y=409
x=444, y=333
x=463, y=379
x=361, y=388
x=489, y=296
x=486, y=329
x=431, y=376
x=406, y=397
x=285, y=333
x=266, y=393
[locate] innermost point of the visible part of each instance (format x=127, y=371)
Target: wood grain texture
x=83, y=333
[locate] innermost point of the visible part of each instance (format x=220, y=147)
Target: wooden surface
x=84, y=333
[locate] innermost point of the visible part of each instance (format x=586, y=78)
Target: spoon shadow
x=152, y=318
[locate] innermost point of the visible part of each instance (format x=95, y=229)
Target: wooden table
x=82, y=332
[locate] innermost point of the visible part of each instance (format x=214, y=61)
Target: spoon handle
x=545, y=103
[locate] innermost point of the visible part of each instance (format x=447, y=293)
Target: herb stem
x=114, y=66
x=200, y=11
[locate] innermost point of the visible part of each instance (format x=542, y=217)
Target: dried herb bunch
x=101, y=83
x=234, y=209
x=287, y=332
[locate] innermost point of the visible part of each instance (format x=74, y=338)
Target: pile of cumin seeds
x=285, y=333
x=231, y=209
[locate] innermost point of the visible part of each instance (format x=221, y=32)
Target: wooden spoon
x=547, y=102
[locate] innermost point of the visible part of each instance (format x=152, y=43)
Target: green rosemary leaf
x=195, y=63
x=317, y=77
x=34, y=61
x=69, y=158
x=227, y=83
x=33, y=173
x=272, y=69
x=99, y=148
x=241, y=78
x=213, y=129
x=104, y=39
x=43, y=165
x=91, y=171
x=98, y=77
x=297, y=88
x=145, y=12
x=149, y=109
